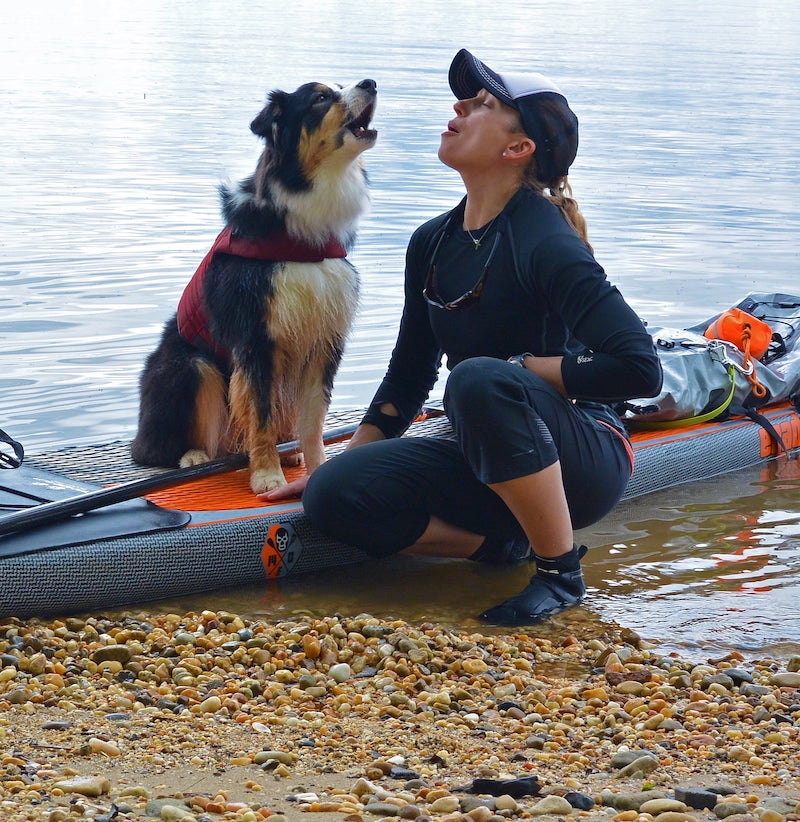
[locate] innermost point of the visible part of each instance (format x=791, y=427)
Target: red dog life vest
x=279, y=247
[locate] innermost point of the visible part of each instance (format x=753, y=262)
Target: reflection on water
x=121, y=119
x=716, y=562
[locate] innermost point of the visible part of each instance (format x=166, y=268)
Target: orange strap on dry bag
x=749, y=334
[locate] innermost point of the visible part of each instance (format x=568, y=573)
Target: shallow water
x=121, y=119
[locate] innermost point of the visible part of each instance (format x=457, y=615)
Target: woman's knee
x=323, y=500
x=472, y=384
x=480, y=385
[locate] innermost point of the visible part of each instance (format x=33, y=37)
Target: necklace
x=477, y=242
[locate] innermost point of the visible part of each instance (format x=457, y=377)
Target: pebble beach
x=202, y=717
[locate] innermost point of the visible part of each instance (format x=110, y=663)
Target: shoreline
x=211, y=716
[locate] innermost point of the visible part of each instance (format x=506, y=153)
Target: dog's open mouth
x=359, y=126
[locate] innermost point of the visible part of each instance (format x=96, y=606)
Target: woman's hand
x=293, y=489
x=364, y=433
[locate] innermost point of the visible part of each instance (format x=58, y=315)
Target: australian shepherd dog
x=249, y=358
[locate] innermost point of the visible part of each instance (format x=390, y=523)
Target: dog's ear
x=265, y=123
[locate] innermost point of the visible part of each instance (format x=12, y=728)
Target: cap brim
x=468, y=76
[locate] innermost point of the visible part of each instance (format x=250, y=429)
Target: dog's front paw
x=265, y=480
x=194, y=457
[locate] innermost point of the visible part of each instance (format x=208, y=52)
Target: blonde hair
x=559, y=192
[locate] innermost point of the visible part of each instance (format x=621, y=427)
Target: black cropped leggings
x=507, y=423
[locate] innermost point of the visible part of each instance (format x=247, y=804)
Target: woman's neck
x=484, y=203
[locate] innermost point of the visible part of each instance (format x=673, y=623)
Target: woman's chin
x=444, y=153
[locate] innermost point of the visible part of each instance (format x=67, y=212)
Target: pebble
x=469, y=804
x=104, y=747
x=640, y=766
x=739, y=676
x=112, y=653
x=551, y=805
x=657, y=806
x=629, y=801
x=698, y=798
x=399, y=714
x=174, y=813
x=579, y=801
x=209, y=706
x=57, y=725
x=508, y=803
x=382, y=809
x=444, y=804
x=84, y=785
x=788, y=679
x=725, y=810
x=341, y=672
x=776, y=803
x=273, y=756
x=623, y=758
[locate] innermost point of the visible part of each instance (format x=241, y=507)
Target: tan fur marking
x=315, y=147
x=258, y=441
x=210, y=425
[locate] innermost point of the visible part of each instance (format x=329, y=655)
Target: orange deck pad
x=231, y=491
x=224, y=492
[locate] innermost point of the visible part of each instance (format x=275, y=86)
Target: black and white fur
x=284, y=323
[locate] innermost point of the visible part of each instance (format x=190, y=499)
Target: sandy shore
x=211, y=716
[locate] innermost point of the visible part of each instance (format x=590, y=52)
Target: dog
x=249, y=358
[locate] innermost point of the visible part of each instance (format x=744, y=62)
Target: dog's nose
x=368, y=85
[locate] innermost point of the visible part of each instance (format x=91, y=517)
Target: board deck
x=230, y=537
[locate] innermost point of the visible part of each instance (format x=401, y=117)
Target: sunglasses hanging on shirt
x=468, y=298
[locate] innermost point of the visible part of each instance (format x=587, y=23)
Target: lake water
x=120, y=120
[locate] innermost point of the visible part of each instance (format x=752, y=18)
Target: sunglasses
x=469, y=298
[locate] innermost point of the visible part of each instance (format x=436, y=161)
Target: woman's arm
x=414, y=364
x=619, y=361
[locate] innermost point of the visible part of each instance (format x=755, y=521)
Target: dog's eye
x=323, y=96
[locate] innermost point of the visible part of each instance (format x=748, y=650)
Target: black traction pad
x=25, y=486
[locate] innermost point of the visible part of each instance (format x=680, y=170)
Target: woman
x=538, y=344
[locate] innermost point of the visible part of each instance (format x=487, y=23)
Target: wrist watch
x=519, y=359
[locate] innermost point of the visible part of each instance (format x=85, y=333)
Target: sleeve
x=618, y=359
x=414, y=364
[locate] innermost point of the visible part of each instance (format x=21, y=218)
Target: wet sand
x=207, y=716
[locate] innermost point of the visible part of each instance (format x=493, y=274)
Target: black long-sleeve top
x=543, y=293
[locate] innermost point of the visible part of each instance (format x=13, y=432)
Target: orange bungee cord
x=750, y=335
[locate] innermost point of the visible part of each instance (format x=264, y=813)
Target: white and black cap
x=543, y=109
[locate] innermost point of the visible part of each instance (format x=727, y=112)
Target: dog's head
x=313, y=128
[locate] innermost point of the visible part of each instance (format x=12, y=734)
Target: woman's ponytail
x=559, y=192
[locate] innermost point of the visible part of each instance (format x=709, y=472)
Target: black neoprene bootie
x=556, y=585
x=495, y=551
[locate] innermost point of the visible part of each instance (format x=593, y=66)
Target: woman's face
x=481, y=131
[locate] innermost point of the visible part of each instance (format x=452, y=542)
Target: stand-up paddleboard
x=211, y=532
